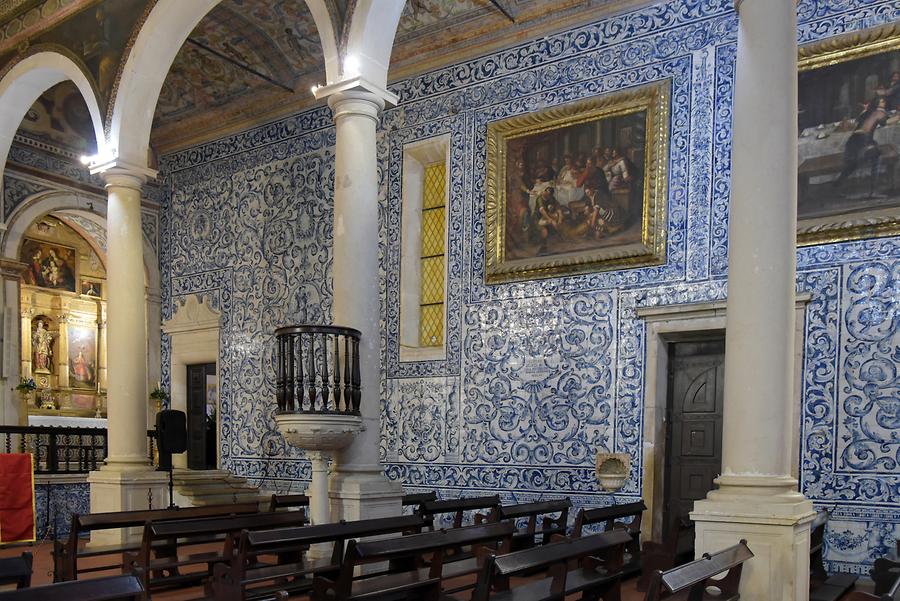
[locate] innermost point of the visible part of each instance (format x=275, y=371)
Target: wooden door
x=196, y=416
x=694, y=428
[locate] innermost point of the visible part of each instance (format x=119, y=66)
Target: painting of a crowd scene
x=849, y=146
x=575, y=186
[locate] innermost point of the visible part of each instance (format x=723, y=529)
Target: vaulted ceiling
x=252, y=61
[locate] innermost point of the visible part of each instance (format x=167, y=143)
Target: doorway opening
x=696, y=374
x=202, y=401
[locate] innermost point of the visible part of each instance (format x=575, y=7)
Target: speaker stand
x=172, y=504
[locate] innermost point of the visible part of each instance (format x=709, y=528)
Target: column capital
x=117, y=172
x=355, y=102
x=356, y=84
x=12, y=270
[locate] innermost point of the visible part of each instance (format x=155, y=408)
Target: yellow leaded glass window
x=431, y=303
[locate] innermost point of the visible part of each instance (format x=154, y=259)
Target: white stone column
x=757, y=498
x=127, y=480
x=359, y=488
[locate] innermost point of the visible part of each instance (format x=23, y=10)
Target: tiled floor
x=43, y=574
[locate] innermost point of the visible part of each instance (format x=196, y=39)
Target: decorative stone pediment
x=192, y=315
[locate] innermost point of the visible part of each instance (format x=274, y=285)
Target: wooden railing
x=56, y=449
x=318, y=369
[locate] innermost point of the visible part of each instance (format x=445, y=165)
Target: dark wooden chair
x=458, y=507
x=67, y=552
x=596, y=574
x=823, y=587
x=615, y=516
x=184, y=535
x=246, y=577
x=676, y=549
x=550, y=526
x=288, y=502
x=697, y=576
x=417, y=583
x=17, y=570
x=112, y=588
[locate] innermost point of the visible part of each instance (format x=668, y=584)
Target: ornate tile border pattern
x=540, y=375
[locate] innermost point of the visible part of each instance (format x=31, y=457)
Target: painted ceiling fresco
x=60, y=118
x=277, y=46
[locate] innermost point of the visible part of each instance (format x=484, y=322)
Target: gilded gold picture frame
x=578, y=188
x=849, y=145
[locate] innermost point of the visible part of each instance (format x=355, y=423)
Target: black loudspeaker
x=171, y=431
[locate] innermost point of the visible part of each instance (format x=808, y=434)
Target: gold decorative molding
x=651, y=250
x=863, y=224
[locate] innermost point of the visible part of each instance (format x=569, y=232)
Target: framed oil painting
x=82, y=356
x=49, y=265
x=579, y=187
x=849, y=146
x=91, y=287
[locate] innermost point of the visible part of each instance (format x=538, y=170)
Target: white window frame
x=416, y=156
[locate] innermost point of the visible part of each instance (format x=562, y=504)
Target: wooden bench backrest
x=125, y=519
x=288, y=502
x=112, y=588
x=417, y=498
x=429, y=509
x=556, y=553
x=309, y=535
x=522, y=510
x=698, y=571
x=221, y=525
x=610, y=516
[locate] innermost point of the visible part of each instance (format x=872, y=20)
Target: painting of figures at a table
x=575, y=188
x=850, y=137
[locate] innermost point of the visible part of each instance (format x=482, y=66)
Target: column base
x=774, y=519
x=126, y=487
x=364, y=495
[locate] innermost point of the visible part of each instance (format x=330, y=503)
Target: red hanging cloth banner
x=16, y=498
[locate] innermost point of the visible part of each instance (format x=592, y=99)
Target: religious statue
x=42, y=340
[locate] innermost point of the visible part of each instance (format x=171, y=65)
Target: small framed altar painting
x=579, y=187
x=91, y=287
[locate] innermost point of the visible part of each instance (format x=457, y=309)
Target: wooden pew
x=482, y=540
x=696, y=576
x=821, y=586
x=458, y=507
x=527, y=537
x=416, y=583
x=416, y=499
x=288, y=502
x=613, y=517
x=676, y=549
x=112, y=588
x=597, y=573
x=66, y=553
x=16, y=570
x=184, y=534
x=885, y=571
x=892, y=594
x=245, y=578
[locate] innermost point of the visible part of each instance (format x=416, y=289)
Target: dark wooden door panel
x=694, y=428
x=196, y=415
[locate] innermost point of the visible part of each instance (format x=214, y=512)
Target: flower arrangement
x=26, y=385
x=159, y=395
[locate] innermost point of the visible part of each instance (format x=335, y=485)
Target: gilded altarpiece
x=63, y=327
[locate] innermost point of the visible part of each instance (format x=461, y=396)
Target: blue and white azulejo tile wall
x=515, y=408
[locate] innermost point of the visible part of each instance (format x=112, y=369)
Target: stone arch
x=26, y=80
x=91, y=207
x=161, y=37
